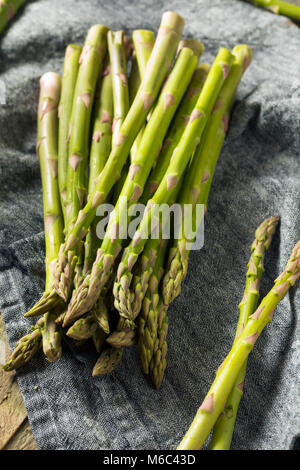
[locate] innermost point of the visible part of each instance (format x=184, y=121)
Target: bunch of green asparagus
x=131, y=120
x=137, y=120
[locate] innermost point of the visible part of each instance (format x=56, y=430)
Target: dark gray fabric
x=257, y=176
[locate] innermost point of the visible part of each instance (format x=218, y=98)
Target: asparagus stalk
x=162, y=55
x=101, y=314
x=121, y=339
x=70, y=72
x=47, y=147
x=148, y=319
x=139, y=170
x=169, y=184
x=176, y=130
x=120, y=93
x=84, y=328
x=100, y=150
x=119, y=79
x=143, y=41
x=279, y=8
x=8, y=9
x=158, y=361
x=213, y=404
x=224, y=427
x=25, y=348
x=198, y=181
x=90, y=61
x=108, y=361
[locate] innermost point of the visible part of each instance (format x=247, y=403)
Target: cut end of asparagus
x=196, y=46
x=50, y=85
x=172, y=20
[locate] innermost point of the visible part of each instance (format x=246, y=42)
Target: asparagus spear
x=148, y=319
x=198, y=181
x=47, y=147
x=123, y=338
x=133, y=187
x=70, y=72
x=279, y=8
x=8, y=9
x=47, y=138
x=84, y=328
x=101, y=314
x=25, y=348
x=213, y=404
x=108, y=361
x=119, y=79
x=176, y=130
x=120, y=93
x=158, y=361
x=224, y=427
x=169, y=184
x=90, y=61
x=100, y=149
x=143, y=41
x=162, y=55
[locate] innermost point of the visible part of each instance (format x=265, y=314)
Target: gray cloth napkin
x=257, y=176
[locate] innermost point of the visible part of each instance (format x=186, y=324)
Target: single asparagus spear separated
x=224, y=427
x=176, y=130
x=70, y=72
x=108, y=361
x=90, y=61
x=25, y=348
x=198, y=181
x=279, y=8
x=8, y=9
x=169, y=184
x=119, y=79
x=148, y=319
x=161, y=57
x=213, y=404
x=139, y=170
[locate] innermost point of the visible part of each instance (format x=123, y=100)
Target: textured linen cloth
x=257, y=176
